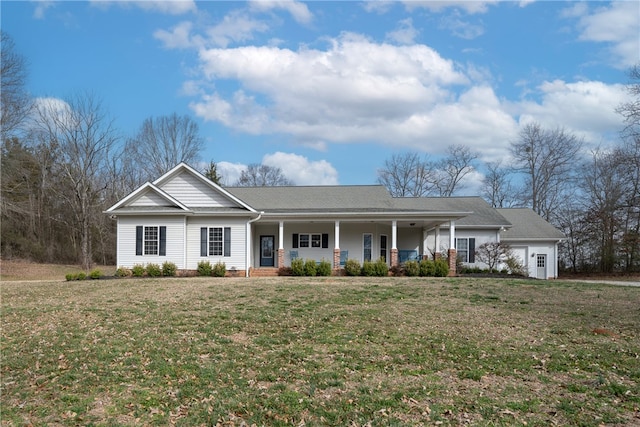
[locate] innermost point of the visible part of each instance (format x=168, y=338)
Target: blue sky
x=328, y=91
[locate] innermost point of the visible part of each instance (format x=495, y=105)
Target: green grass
x=319, y=351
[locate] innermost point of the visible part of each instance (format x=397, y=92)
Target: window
x=366, y=246
x=310, y=240
x=466, y=249
x=215, y=241
x=151, y=240
x=383, y=247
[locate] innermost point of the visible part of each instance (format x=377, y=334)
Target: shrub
x=70, y=277
x=368, y=268
x=297, y=267
x=441, y=268
x=427, y=268
x=123, y=272
x=310, y=268
x=95, y=274
x=352, y=267
x=137, y=270
x=219, y=270
x=381, y=268
x=324, y=268
x=204, y=268
x=154, y=270
x=81, y=276
x=411, y=268
x=169, y=268
x=515, y=266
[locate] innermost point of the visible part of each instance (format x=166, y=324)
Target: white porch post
x=452, y=235
x=337, y=235
x=281, y=235
x=437, y=248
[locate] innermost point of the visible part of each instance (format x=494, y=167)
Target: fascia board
x=444, y=216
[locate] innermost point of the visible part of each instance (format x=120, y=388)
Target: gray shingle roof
x=315, y=198
x=482, y=213
x=528, y=225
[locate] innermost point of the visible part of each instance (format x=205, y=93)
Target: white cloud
x=235, y=27
x=41, y=8
x=617, y=25
x=302, y=171
x=405, y=34
x=230, y=172
x=173, y=7
x=470, y=7
x=299, y=11
x=585, y=108
x=178, y=38
x=461, y=28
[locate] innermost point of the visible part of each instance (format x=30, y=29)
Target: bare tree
x=546, y=158
x=630, y=111
x=497, y=188
x=493, y=253
x=407, y=175
x=15, y=102
x=257, y=175
x=452, y=169
x=82, y=135
x=162, y=143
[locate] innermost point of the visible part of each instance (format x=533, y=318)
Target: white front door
x=541, y=266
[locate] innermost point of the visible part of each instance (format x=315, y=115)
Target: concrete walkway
x=606, y=282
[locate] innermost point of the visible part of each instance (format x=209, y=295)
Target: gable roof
x=147, y=189
x=528, y=225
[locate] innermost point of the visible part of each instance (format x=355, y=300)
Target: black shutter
x=227, y=241
x=294, y=244
x=139, y=240
x=325, y=240
x=163, y=241
x=472, y=250
x=203, y=241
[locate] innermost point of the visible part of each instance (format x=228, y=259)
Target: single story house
x=185, y=218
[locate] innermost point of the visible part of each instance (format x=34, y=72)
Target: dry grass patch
x=303, y=351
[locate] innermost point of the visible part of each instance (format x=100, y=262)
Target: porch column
x=336, y=246
x=281, y=244
x=394, y=243
x=452, y=248
x=436, y=252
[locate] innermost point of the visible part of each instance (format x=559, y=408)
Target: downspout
x=248, y=240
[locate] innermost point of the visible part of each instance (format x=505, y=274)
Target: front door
x=266, y=251
x=541, y=266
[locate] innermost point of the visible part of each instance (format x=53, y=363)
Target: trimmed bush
x=368, y=268
x=204, y=268
x=310, y=267
x=123, y=272
x=70, y=277
x=297, y=267
x=381, y=268
x=81, y=276
x=169, y=268
x=428, y=268
x=411, y=268
x=219, y=270
x=95, y=274
x=154, y=270
x=441, y=268
x=137, y=270
x=324, y=268
x=352, y=267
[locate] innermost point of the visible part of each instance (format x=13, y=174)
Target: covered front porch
x=275, y=242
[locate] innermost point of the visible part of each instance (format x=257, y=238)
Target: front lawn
x=320, y=351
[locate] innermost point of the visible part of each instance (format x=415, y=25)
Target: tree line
x=64, y=162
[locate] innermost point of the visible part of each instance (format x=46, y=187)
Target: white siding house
x=184, y=218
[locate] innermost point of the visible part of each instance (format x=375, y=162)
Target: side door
x=541, y=266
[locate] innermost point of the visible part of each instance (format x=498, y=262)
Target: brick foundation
x=336, y=259
x=280, y=258
x=453, y=257
x=394, y=257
